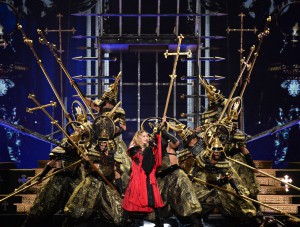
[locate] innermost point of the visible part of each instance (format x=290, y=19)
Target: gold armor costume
x=93, y=196
x=211, y=197
x=177, y=190
x=53, y=195
x=121, y=148
x=246, y=174
x=217, y=172
x=111, y=95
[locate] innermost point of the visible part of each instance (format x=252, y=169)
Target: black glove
x=148, y=160
x=169, y=136
x=152, y=144
x=119, y=184
x=121, y=130
x=44, y=173
x=222, y=181
x=235, y=187
x=133, y=150
x=249, y=160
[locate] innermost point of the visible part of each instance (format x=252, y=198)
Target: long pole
x=53, y=121
x=29, y=43
x=264, y=173
x=173, y=75
x=294, y=218
x=23, y=188
x=43, y=40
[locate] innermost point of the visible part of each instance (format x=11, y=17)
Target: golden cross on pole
x=60, y=30
x=60, y=50
x=173, y=75
x=241, y=30
x=241, y=50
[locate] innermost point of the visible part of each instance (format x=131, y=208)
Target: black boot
x=134, y=219
x=196, y=220
x=119, y=184
x=159, y=220
x=68, y=222
x=259, y=213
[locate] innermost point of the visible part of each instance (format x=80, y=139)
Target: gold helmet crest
x=185, y=132
x=216, y=145
x=111, y=94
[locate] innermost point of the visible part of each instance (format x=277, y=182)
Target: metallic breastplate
x=197, y=148
x=69, y=158
x=107, y=164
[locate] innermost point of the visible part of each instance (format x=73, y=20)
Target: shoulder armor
x=118, y=159
x=58, y=150
x=120, y=110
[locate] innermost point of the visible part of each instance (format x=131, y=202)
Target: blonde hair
x=136, y=140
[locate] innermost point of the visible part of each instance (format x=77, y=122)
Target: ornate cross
x=60, y=30
x=241, y=30
x=173, y=76
x=60, y=50
x=286, y=179
x=241, y=50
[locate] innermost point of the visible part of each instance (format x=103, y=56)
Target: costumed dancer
x=212, y=167
x=54, y=194
x=103, y=106
x=175, y=186
x=237, y=150
x=142, y=195
x=93, y=197
x=236, y=145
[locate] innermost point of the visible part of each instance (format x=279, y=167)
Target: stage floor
x=214, y=220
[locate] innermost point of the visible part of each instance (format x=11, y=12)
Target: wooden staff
x=29, y=43
x=23, y=188
x=260, y=37
x=246, y=64
x=293, y=218
x=43, y=40
x=264, y=173
x=53, y=121
x=173, y=75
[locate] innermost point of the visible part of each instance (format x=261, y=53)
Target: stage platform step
x=272, y=192
x=263, y=164
x=23, y=208
x=268, y=181
x=213, y=220
x=282, y=199
x=286, y=208
x=28, y=198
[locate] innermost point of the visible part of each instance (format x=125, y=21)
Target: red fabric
x=136, y=199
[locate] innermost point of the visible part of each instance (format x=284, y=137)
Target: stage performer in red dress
x=142, y=195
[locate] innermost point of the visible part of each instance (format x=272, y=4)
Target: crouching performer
x=175, y=186
x=94, y=198
x=211, y=167
x=53, y=195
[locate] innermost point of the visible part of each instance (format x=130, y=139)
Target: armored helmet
x=186, y=134
x=111, y=94
x=216, y=145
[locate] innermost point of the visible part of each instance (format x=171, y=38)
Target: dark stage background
x=271, y=98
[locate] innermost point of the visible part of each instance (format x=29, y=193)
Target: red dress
x=136, y=197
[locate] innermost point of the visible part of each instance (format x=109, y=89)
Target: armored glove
x=44, y=173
